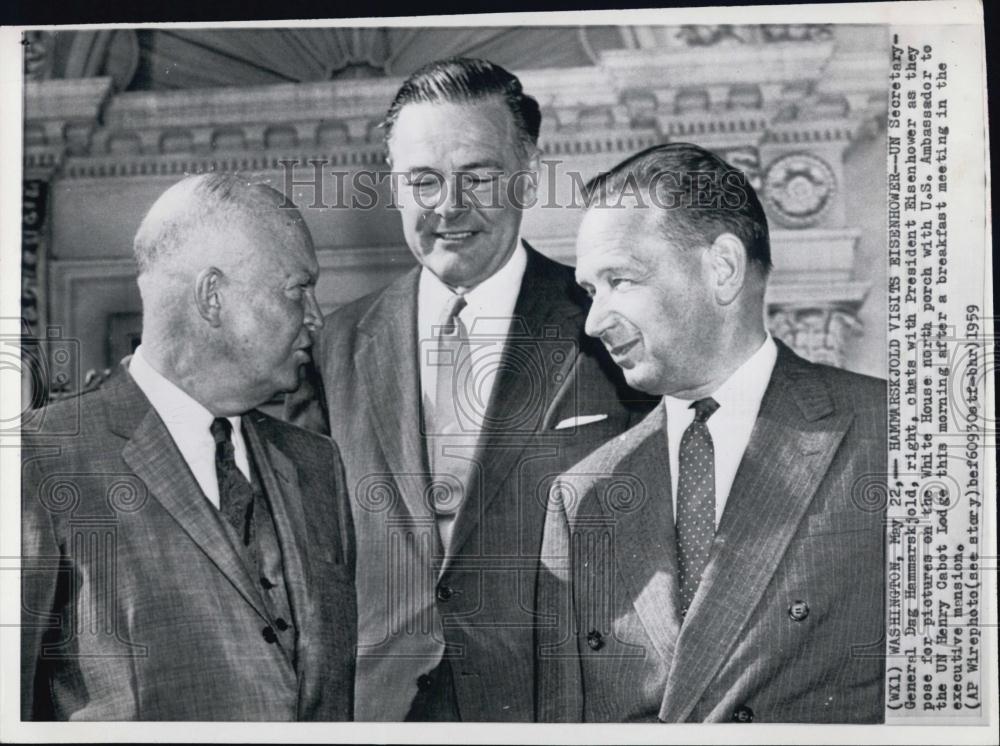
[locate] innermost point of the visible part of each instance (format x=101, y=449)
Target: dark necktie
x=235, y=493
x=695, y=501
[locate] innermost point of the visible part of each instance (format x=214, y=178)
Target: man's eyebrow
x=622, y=265
x=481, y=164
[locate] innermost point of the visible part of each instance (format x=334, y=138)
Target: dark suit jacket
x=479, y=600
x=135, y=603
x=788, y=622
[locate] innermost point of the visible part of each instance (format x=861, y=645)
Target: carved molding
x=789, y=92
x=787, y=122
x=820, y=334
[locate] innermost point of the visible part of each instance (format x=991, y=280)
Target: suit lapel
x=794, y=440
x=281, y=485
x=155, y=459
x=387, y=363
x=650, y=572
x=542, y=342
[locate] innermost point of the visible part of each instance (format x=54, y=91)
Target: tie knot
x=449, y=318
x=222, y=430
x=704, y=408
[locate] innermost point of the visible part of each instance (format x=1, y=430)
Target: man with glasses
x=458, y=392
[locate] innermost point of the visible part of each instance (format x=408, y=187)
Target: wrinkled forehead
x=616, y=228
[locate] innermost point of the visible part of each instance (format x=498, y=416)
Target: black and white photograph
x=510, y=372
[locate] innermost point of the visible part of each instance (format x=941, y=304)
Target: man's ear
x=528, y=178
x=728, y=257
x=207, y=295
x=393, y=183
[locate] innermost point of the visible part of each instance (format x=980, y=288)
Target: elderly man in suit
x=186, y=556
x=720, y=561
x=462, y=389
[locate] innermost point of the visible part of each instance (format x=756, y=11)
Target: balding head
x=226, y=274
x=172, y=233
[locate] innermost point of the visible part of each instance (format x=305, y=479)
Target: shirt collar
x=494, y=297
x=744, y=390
x=174, y=406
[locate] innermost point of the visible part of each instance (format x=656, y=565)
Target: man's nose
x=452, y=198
x=314, y=314
x=598, y=317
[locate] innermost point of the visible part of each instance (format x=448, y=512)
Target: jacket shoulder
x=79, y=416
x=853, y=391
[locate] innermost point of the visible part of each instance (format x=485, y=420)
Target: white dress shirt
x=487, y=317
x=731, y=425
x=189, y=424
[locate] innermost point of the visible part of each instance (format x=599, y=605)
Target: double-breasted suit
x=474, y=605
x=787, y=624
x=136, y=602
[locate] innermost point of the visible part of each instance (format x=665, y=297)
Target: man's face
x=652, y=304
x=461, y=187
x=271, y=313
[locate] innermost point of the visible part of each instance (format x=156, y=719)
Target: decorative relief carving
x=38, y=46
x=798, y=188
x=771, y=33
x=707, y=36
x=817, y=334
x=747, y=160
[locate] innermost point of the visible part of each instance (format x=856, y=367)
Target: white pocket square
x=585, y=419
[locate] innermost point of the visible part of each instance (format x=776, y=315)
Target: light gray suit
x=136, y=605
x=787, y=624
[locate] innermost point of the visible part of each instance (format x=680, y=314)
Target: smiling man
x=743, y=580
x=459, y=391
x=186, y=556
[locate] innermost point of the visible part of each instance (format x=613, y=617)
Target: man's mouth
x=618, y=351
x=454, y=235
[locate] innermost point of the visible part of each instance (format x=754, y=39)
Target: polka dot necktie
x=695, y=501
x=235, y=493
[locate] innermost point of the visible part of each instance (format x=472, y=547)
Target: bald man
x=187, y=557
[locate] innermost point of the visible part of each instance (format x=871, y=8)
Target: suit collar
x=647, y=521
x=155, y=459
x=543, y=340
x=794, y=440
x=281, y=485
x=548, y=309
x=388, y=367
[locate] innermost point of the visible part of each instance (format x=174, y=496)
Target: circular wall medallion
x=798, y=188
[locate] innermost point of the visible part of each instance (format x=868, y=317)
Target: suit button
x=423, y=682
x=742, y=714
x=595, y=640
x=444, y=593
x=798, y=611
x=281, y=624
x=269, y=635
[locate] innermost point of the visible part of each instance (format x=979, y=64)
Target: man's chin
x=640, y=379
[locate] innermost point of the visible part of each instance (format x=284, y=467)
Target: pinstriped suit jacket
x=135, y=606
x=787, y=624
